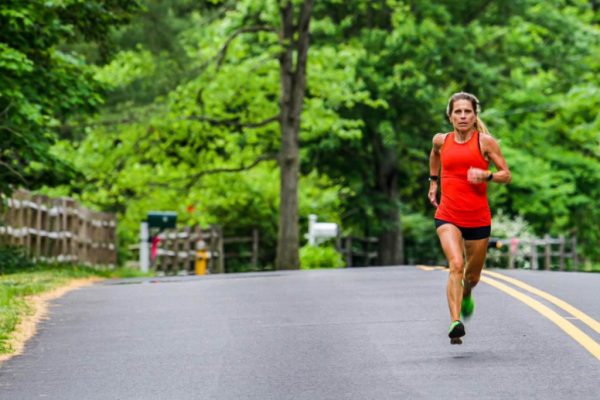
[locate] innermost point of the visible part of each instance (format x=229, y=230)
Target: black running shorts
x=480, y=232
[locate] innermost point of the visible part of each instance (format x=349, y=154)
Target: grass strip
x=15, y=287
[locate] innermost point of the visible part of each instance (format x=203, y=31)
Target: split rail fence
x=358, y=251
x=177, y=250
x=58, y=230
x=535, y=253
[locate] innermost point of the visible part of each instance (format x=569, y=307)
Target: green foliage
x=421, y=243
x=540, y=105
x=179, y=109
x=313, y=257
x=13, y=259
x=42, y=83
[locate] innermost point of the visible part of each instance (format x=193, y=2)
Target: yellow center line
x=587, y=342
x=583, y=317
x=578, y=335
x=425, y=268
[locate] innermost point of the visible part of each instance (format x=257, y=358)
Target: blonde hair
x=479, y=125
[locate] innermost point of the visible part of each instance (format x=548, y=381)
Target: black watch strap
x=433, y=178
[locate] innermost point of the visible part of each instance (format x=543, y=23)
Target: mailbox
x=319, y=231
x=162, y=219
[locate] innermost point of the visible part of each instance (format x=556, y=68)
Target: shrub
x=505, y=226
x=320, y=257
x=13, y=259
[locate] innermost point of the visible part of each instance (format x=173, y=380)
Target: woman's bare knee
x=471, y=280
x=456, y=265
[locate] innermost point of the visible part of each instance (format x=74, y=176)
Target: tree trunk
x=391, y=240
x=293, y=85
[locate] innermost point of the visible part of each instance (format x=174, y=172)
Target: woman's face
x=463, y=116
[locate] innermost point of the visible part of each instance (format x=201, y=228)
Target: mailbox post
x=144, y=247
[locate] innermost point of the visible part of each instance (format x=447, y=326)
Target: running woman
x=463, y=218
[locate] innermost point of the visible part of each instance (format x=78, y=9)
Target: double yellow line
x=577, y=334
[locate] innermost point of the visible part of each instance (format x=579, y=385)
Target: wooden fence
x=537, y=253
x=358, y=251
x=58, y=230
x=177, y=250
x=242, y=248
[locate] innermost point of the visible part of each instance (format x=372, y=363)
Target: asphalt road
x=360, y=333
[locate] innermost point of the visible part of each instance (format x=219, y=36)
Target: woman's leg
x=476, y=251
x=452, y=244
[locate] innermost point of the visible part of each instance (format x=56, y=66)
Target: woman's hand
x=477, y=175
x=433, y=194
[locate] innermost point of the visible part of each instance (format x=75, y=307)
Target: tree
x=205, y=104
x=42, y=84
x=235, y=111
x=421, y=52
x=292, y=66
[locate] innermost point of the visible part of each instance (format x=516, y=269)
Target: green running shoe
x=456, y=331
x=467, y=307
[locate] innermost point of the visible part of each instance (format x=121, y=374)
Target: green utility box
x=162, y=219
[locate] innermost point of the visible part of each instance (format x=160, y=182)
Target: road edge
x=27, y=327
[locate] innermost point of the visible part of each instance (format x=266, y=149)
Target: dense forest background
x=138, y=105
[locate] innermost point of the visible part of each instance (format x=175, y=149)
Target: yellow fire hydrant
x=202, y=257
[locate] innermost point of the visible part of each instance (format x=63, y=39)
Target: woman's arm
x=434, y=167
x=491, y=150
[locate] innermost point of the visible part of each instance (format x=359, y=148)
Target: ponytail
x=480, y=126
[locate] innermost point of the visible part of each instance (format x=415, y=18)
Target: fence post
x=176, y=259
x=534, y=255
x=38, y=227
x=212, y=248
x=168, y=257
x=187, y=248
x=512, y=252
x=574, y=251
x=29, y=212
x=216, y=247
x=349, y=251
x=254, y=248
x=547, y=251
x=220, y=249
x=74, y=229
x=21, y=220
x=47, y=224
x=561, y=250
x=64, y=227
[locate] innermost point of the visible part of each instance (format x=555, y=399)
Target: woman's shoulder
x=488, y=145
x=486, y=139
x=440, y=138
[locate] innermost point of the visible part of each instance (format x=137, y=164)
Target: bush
x=13, y=259
x=505, y=226
x=320, y=257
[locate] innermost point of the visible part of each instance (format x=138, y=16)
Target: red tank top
x=463, y=204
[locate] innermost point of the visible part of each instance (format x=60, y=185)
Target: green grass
x=16, y=286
